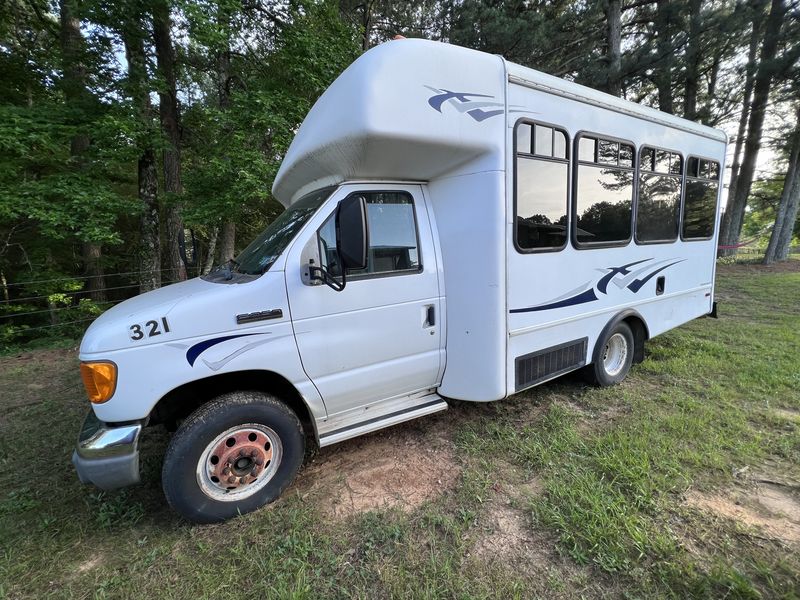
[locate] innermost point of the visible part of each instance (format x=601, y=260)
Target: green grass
x=607, y=516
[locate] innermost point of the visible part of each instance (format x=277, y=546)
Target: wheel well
x=179, y=403
x=640, y=336
x=638, y=327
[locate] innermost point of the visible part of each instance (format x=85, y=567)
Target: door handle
x=430, y=316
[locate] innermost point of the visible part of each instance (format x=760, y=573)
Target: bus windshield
x=262, y=252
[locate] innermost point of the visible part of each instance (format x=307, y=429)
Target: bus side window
x=658, y=203
x=700, y=202
x=603, y=192
x=540, y=195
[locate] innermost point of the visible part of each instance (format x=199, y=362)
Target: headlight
x=99, y=379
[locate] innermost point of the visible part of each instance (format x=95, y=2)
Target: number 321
x=150, y=329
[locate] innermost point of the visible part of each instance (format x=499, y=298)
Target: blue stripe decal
x=582, y=298
x=637, y=284
x=602, y=285
x=590, y=295
x=200, y=347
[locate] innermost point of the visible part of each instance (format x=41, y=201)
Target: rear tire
x=614, y=356
x=232, y=456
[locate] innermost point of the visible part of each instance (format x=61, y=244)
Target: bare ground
x=401, y=467
x=770, y=509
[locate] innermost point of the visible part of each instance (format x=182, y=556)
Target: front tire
x=232, y=456
x=614, y=357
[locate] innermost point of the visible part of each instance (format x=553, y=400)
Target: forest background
x=139, y=138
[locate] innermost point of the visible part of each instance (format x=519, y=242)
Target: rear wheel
x=614, y=357
x=232, y=456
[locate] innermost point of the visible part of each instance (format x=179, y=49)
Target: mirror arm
x=322, y=274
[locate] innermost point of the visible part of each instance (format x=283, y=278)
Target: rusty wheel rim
x=239, y=462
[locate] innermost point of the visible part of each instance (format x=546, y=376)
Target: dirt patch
x=89, y=564
x=772, y=509
x=507, y=536
x=788, y=414
x=402, y=467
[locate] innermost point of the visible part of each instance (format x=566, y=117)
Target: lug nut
x=259, y=461
x=243, y=480
x=231, y=479
x=226, y=471
x=253, y=453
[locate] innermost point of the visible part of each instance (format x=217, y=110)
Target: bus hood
x=188, y=309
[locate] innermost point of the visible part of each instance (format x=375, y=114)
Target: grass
x=597, y=479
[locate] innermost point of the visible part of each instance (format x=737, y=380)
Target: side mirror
x=352, y=242
x=351, y=232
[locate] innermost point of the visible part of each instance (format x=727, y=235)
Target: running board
x=397, y=412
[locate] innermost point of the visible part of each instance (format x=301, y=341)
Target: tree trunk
x=614, y=46
x=212, y=248
x=170, y=125
x=692, y=61
x=150, y=251
x=750, y=71
x=150, y=239
x=734, y=213
x=781, y=238
x=663, y=67
x=227, y=242
x=366, y=24
x=77, y=96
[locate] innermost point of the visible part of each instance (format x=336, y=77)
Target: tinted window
x=659, y=199
x=658, y=208
x=524, y=138
x=586, y=148
x=700, y=203
x=604, y=193
x=541, y=192
x=699, y=210
x=541, y=203
x=392, y=236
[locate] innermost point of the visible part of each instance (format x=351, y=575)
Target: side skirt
x=379, y=417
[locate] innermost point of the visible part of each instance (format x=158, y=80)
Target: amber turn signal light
x=99, y=379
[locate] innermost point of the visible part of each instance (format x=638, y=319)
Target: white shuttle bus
x=456, y=227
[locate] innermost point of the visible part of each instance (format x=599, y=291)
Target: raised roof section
x=418, y=110
x=405, y=110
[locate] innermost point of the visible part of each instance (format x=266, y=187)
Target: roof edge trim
x=701, y=130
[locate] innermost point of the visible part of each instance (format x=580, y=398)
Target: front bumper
x=107, y=455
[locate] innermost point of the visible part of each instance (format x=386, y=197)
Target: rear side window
x=393, y=242
x=542, y=174
x=603, y=192
x=659, y=200
x=700, y=202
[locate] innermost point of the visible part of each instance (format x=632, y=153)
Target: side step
x=378, y=417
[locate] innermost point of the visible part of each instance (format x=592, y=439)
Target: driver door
x=379, y=338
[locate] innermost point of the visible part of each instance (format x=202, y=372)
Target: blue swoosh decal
x=582, y=298
x=200, y=347
x=437, y=101
x=602, y=285
x=481, y=115
x=637, y=284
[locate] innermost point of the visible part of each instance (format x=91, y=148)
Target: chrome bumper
x=107, y=456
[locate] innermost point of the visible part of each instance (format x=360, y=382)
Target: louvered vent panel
x=550, y=362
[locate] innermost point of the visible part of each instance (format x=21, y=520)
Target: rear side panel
x=564, y=297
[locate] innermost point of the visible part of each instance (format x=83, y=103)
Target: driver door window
x=393, y=239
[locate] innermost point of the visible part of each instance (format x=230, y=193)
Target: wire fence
x=753, y=253
x=26, y=312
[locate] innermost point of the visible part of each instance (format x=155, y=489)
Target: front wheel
x=232, y=456
x=615, y=356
